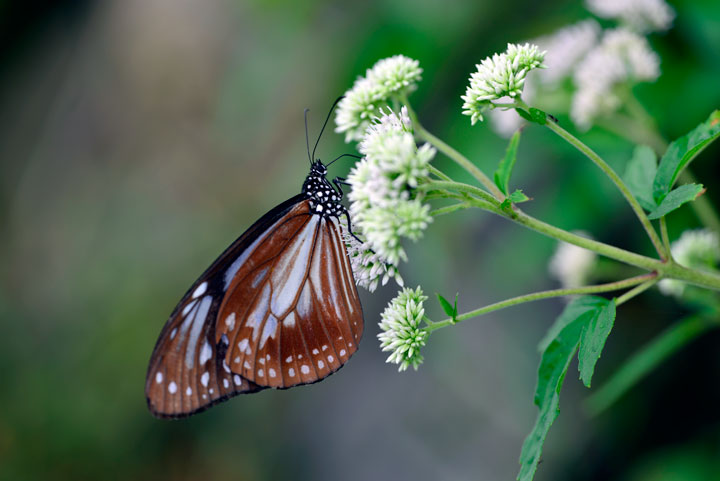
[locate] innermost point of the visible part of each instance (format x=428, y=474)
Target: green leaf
x=504, y=170
x=640, y=174
x=516, y=197
x=681, y=152
x=592, y=339
x=551, y=373
x=575, y=309
x=586, y=322
x=676, y=198
x=533, y=115
x=450, y=310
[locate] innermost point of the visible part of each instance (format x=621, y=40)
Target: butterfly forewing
x=278, y=308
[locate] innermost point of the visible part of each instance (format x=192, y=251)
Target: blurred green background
x=139, y=138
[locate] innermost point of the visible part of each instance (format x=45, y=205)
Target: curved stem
x=665, y=238
x=458, y=186
x=589, y=153
x=453, y=154
x=636, y=291
x=535, y=296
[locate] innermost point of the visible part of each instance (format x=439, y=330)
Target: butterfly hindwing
x=294, y=318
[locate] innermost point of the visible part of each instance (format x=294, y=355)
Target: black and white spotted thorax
x=324, y=198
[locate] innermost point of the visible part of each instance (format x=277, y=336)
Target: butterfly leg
x=339, y=182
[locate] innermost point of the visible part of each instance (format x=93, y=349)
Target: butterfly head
x=324, y=199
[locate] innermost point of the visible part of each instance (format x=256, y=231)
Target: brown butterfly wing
x=278, y=308
x=294, y=318
x=187, y=373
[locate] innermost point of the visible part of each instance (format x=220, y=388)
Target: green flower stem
x=639, y=212
x=648, y=358
x=665, y=238
x=453, y=154
x=460, y=187
x=612, y=286
x=636, y=291
x=438, y=173
x=449, y=208
x=664, y=269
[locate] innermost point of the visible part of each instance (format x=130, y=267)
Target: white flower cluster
x=571, y=264
x=502, y=75
x=389, y=77
x=621, y=57
x=383, y=204
x=696, y=249
x=369, y=268
x=401, y=331
x=640, y=15
x=565, y=48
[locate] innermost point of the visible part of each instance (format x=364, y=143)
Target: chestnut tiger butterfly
x=278, y=309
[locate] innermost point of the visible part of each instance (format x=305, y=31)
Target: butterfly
x=279, y=308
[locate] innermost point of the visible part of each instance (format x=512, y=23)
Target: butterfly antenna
x=307, y=139
x=325, y=124
x=344, y=155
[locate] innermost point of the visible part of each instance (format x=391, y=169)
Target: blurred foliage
x=137, y=139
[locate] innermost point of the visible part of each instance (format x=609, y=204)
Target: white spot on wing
x=172, y=333
x=237, y=380
x=242, y=345
x=158, y=377
x=200, y=290
x=324, y=348
x=188, y=391
x=320, y=364
x=226, y=367
x=205, y=378
x=269, y=330
x=342, y=352
x=291, y=372
x=226, y=383
x=288, y=359
x=189, y=307
x=246, y=365
x=236, y=360
x=261, y=360
x=271, y=371
x=230, y=321
x=304, y=369
x=330, y=359
x=205, y=353
x=172, y=387
x=315, y=352
x=261, y=373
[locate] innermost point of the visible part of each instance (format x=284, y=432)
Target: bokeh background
x=139, y=138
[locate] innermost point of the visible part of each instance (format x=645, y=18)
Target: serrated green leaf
x=576, y=308
x=524, y=114
x=534, y=115
x=551, y=373
x=640, y=174
x=505, y=167
x=592, y=340
x=681, y=152
x=518, y=197
x=445, y=304
x=676, y=198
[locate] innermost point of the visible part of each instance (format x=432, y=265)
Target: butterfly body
x=279, y=308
